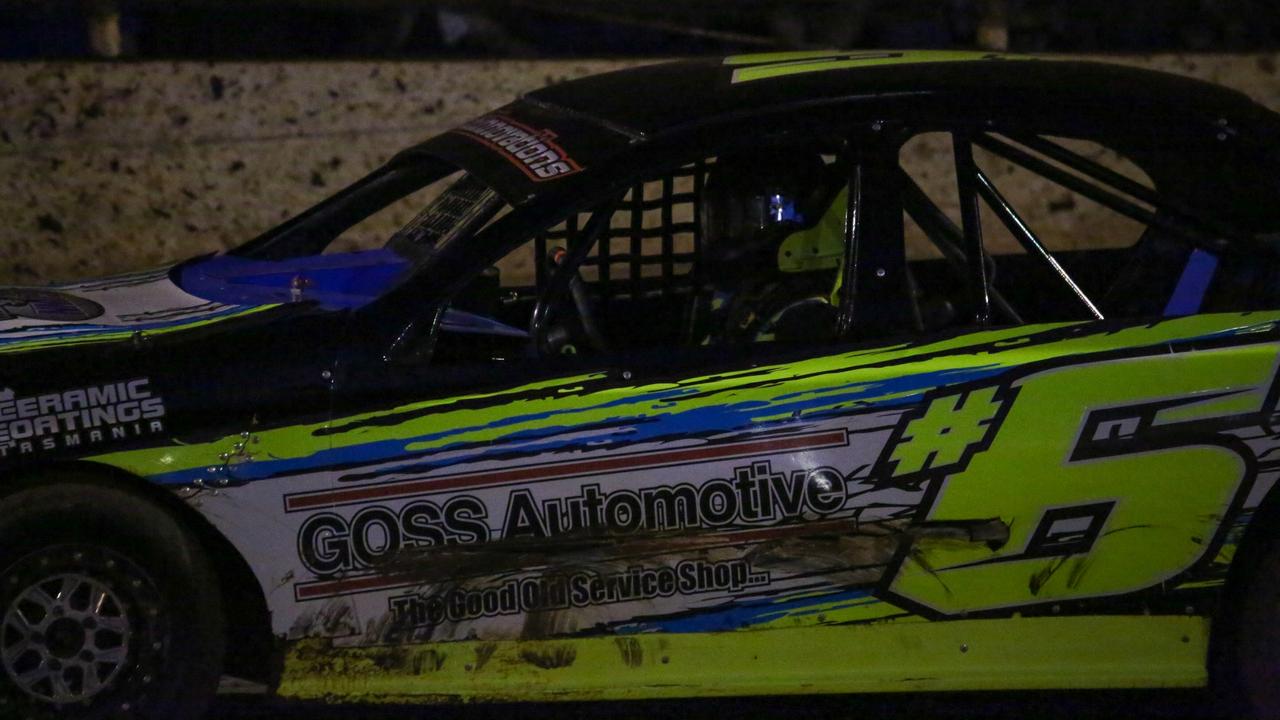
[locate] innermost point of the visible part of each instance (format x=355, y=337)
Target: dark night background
x=405, y=29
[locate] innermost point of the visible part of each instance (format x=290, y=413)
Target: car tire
x=108, y=608
x=1249, y=682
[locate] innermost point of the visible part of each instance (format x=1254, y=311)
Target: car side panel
x=1069, y=469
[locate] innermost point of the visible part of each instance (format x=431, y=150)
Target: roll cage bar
x=962, y=246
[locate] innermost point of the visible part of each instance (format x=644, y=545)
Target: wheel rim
x=65, y=638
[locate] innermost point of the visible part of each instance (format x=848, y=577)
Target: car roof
x=655, y=99
x=605, y=126
x=579, y=139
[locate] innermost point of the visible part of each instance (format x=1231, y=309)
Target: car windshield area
x=354, y=247
x=462, y=209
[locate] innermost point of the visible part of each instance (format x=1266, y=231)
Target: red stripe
x=636, y=461
x=311, y=591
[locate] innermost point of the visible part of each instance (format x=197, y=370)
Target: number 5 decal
x=1113, y=477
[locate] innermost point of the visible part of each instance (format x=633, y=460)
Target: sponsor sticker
x=575, y=590
x=533, y=151
x=367, y=551
x=756, y=496
x=46, y=305
x=72, y=418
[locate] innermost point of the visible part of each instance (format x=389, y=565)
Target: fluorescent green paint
x=1008, y=654
x=816, y=378
x=1202, y=584
x=762, y=66
x=1227, y=554
x=820, y=247
x=298, y=441
x=1168, y=502
x=1238, y=401
x=950, y=426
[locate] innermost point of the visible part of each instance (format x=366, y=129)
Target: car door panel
x=794, y=493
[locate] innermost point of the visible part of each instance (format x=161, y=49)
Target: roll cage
x=962, y=245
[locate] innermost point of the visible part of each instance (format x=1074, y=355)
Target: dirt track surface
x=1129, y=705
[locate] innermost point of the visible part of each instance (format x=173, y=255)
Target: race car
x=685, y=383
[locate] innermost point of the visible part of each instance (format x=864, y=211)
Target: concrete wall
x=109, y=167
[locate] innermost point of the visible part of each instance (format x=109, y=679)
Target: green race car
x=689, y=380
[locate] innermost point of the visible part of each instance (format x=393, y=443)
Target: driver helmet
x=751, y=203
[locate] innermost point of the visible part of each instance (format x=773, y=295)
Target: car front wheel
x=107, y=607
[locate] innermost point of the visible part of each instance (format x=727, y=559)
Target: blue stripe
x=641, y=418
x=741, y=615
x=81, y=330
x=1188, y=296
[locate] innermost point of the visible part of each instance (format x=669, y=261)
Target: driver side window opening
x=724, y=251
x=638, y=272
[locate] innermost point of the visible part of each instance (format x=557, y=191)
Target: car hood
x=100, y=310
